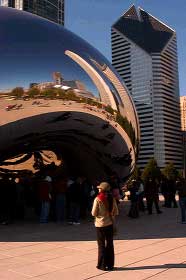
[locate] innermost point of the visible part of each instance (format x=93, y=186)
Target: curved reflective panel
x=60, y=95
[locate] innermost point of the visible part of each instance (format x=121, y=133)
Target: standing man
x=152, y=195
x=134, y=199
x=59, y=190
x=181, y=187
x=45, y=188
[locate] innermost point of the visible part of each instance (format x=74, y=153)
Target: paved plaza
x=151, y=247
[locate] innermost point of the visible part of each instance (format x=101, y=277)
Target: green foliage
x=49, y=93
x=151, y=171
x=127, y=126
x=18, y=92
x=60, y=93
x=109, y=109
x=170, y=172
x=33, y=92
x=136, y=175
x=70, y=95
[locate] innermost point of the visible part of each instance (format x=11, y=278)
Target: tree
x=70, y=95
x=151, y=171
x=18, y=92
x=109, y=109
x=33, y=92
x=136, y=175
x=60, y=93
x=127, y=126
x=170, y=172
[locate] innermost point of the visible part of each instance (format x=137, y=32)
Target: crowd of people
x=61, y=198
x=149, y=192
x=49, y=195
x=57, y=197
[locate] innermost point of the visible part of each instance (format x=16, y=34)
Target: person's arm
x=95, y=208
x=115, y=210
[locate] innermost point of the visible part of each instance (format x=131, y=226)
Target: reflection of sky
x=29, y=54
x=21, y=71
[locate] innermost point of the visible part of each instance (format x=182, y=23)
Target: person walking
x=104, y=210
x=115, y=186
x=172, y=194
x=60, y=189
x=181, y=187
x=165, y=191
x=134, y=199
x=152, y=195
x=45, y=188
x=75, y=199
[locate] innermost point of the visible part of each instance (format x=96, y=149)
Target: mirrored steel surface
x=52, y=81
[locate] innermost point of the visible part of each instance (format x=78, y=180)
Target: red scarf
x=102, y=197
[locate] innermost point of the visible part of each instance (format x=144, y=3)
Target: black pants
x=134, y=209
x=150, y=202
x=105, y=247
x=172, y=199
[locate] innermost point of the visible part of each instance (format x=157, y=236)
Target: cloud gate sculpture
x=61, y=100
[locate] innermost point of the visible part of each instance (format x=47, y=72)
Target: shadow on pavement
x=147, y=226
x=163, y=266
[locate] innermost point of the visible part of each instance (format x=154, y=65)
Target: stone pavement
x=151, y=247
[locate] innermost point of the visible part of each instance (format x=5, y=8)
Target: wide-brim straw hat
x=104, y=186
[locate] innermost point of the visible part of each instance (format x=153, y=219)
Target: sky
x=92, y=20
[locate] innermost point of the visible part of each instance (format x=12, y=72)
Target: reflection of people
x=104, y=210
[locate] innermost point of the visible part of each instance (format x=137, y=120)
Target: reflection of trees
x=109, y=109
x=33, y=92
x=17, y=92
x=127, y=126
x=70, y=95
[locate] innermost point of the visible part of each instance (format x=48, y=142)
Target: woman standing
x=104, y=210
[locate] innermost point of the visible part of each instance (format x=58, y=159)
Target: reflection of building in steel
x=79, y=88
x=183, y=128
x=45, y=85
x=79, y=131
x=144, y=53
x=106, y=95
x=57, y=77
x=126, y=105
x=75, y=84
x=49, y=9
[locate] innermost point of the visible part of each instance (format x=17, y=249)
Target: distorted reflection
x=58, y=94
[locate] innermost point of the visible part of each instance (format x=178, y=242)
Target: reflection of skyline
x=32, y=56
x=31, y=50
x=11, y=79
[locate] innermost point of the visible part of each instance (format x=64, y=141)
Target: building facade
x=183, y=128
x=144, y=53
x=183, y=112
x=50, y=9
